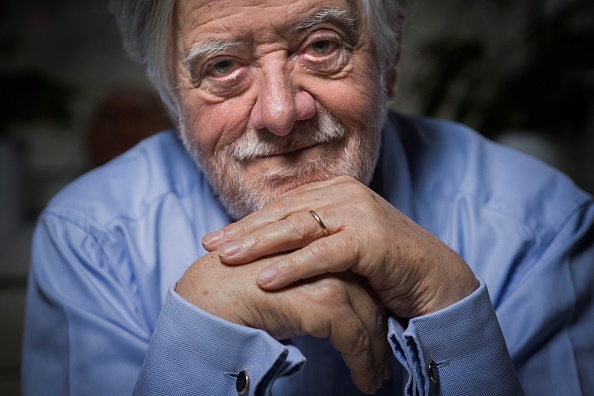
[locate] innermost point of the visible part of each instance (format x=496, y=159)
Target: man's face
x=274, y=94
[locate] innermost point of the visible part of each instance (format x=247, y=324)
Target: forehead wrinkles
x=329, y=14
x=285, y=14
x=341, y=16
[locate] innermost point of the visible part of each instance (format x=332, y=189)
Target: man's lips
x=290, y=152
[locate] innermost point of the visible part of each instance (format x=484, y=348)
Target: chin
x=249, y=195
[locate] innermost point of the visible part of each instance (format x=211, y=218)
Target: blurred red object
x=124, y=118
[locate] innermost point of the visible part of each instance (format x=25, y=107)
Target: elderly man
x=301, y=220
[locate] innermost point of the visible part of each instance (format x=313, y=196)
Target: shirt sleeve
x=537, y=333
x=86, y=331
x=458, y=350
x=547, y=313
x=193, y=352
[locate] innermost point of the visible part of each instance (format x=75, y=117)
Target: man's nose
x=280, y=102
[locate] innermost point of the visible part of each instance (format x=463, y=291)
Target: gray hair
x=147, y=30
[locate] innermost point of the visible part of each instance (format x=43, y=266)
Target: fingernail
x=229, y=249
x=213, y=237
x=266, y=276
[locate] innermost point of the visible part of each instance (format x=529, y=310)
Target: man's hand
x=334, y=305
x=410, y=270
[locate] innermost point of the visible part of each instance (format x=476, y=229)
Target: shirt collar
x=391, y=178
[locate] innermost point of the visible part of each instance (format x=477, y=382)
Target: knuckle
x=234, y=229
x=361, y=342
x=316, y=328
x=298, y=225
x=289, y=267
x=334, y=290
x=318, y=252
x=278, y=210
x=279, y=206
x=330, y=292
x=351, y=247
x=258, y=240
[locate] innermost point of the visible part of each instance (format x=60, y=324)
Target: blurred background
x=521, y=72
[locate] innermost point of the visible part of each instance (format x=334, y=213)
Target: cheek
x=354, y=99
x=351, y=103
x=213, y=125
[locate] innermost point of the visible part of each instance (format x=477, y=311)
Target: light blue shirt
x=103, y=317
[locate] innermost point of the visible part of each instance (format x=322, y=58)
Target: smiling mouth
x=291, y=154
x=291, y=151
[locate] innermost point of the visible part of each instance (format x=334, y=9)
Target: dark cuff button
x=242, y=383
x=432, y=372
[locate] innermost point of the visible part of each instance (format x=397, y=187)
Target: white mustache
x=261, y=143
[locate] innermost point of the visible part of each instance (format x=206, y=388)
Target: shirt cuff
x=458, y=350
x=194, y=352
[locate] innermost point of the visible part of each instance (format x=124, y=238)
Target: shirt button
x=242, y=383
x=432, y=372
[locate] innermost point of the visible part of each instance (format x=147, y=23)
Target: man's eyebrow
x=203, y=49
x=341, y=17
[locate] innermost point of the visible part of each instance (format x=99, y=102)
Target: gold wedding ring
x=320, y=222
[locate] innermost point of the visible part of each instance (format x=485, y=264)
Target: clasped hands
x=276, y=270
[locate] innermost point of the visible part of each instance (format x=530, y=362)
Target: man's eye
x=223, y=67
x=323, y=46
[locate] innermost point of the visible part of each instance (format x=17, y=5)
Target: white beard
x=242, y=193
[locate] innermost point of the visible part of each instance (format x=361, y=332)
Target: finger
x=296, y=231
x=253, y=222
x=336, y=253
x=296, y=200
x=349, y=336
x=326, y=310
x=373, y=315
x=363, y=339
